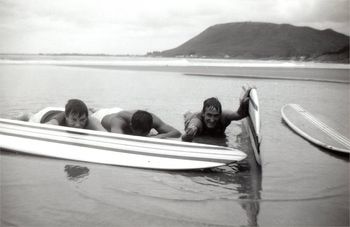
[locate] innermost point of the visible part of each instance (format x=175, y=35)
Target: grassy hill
x=255, y=40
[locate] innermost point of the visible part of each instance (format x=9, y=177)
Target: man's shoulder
x=125, y=113
x=60, y=118
x=190, y=115
x=121, y=117
x=52, y=114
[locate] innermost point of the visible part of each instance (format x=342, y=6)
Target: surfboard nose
x=240, y=155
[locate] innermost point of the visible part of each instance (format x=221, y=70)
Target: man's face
x=211, y=117
x=75, y=121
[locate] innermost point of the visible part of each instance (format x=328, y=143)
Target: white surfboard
x=113, y=149
x=254, y=124
x=313, y=130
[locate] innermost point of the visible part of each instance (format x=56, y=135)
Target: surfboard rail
x=109, y=148
x=320, y=125
x=254, y=124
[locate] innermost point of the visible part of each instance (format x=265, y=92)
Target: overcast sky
x=139, y=26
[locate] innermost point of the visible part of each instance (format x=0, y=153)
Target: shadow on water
x=251, y=187
x=76, y=173
x=220, y=141
x=244, y=177
x=335, y=154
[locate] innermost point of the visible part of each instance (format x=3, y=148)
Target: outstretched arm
x=164, y=130
x=193, y=127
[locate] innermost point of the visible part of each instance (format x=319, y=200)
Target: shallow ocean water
x=298, y=184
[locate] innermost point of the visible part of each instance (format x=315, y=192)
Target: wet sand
x=281, y=73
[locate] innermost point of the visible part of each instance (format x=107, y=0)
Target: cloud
x=137, y=26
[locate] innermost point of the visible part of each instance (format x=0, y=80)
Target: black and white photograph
x=174, y=113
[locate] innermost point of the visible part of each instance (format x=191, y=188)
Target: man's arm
x=243, y=109
x=193, y=127
x=164, y=130
x=239, y=114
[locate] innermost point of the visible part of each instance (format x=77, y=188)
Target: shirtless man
x=75, y=115
x=212, y=120
x=134, y=122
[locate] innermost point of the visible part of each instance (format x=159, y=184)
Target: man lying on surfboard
x=212, y=120
x=75, y=115
x=134, y=122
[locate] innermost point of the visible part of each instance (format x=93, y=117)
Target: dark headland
x=256, y=40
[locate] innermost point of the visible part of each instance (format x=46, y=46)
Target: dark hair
x=214, y=102
x=76, y=106
x=142, y=121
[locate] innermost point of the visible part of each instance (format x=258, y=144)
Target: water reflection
x=251, y=186
x=220, y=141
x=250, y=189
x=243, y=178
x=335, y=154
x=76, y=173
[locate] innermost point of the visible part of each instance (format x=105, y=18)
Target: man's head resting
x=76, y=113
x=211, y=112
x=141, y=123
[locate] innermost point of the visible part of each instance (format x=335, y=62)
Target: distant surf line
x=267, y=77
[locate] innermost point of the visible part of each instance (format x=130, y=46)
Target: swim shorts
x=45, y=113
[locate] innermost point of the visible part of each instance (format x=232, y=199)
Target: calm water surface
x=298, y=185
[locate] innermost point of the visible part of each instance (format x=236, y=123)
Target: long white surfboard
x=113, y=149
x=254, y=124
x=314, y=130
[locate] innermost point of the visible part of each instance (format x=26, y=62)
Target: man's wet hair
x=212, y=102
x=76, y=106
x=142, y=121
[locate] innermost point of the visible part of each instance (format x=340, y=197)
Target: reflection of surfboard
x=254, y=123
x=313, y=130
x=113, y=149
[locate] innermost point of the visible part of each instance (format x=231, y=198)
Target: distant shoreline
x=250, y=69
x=165, y=57
x=270, y=73
x=271, y=78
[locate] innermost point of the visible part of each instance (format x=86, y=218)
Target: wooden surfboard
x=313, y=130
x=254, y=124
x=113, y=149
